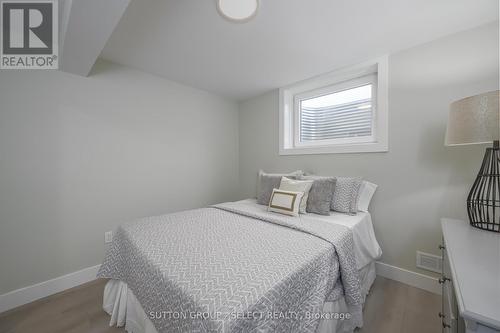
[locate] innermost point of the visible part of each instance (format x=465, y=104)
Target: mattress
x=366, y=247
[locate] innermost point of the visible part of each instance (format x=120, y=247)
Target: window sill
x=375, y=147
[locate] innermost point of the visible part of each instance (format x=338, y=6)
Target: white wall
x=420, y=180
x=80, y=155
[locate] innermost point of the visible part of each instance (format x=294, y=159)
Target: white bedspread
x=125, y=309
x=212, y=266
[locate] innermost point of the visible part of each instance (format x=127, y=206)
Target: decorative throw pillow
x=269, y=181
x=321, y=194
x=366, y=191
x=304, y=186
x=345, y=196
x=285, y=202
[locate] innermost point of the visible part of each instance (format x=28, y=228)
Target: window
x=341, y=112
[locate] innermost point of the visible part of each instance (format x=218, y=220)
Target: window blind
x=353, y=119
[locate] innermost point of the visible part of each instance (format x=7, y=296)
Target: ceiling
x=289, y=40
x=81, y=40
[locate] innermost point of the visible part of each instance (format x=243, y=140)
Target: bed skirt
x=126, y=311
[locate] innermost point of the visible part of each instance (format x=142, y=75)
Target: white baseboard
x=32, y=293
x=413, y=279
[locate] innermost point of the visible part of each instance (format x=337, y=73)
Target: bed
x=235, y=267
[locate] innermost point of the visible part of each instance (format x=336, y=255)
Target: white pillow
x=285, y=202
x=366, y=191
x=293, y=185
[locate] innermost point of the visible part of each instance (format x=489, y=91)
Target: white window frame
x=337, y=87
x=375, y=72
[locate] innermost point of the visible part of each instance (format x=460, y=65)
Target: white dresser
x=471, y=278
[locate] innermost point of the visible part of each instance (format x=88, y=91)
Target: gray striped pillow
x=345, y=196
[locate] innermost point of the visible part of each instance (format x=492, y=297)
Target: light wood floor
x=391, y=307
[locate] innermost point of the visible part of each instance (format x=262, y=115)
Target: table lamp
x=476, y=120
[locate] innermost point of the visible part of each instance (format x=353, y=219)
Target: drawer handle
x=443, y=280
x=441, y=315
x=441, y=247
x=445, y=325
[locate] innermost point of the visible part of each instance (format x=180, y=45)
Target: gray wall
x=420, y=180
x=80, y=155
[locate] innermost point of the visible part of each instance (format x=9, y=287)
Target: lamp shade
x=474, y=120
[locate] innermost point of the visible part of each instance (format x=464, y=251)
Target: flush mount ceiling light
x=238, y=10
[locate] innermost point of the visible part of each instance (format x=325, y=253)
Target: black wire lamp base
x=483, y=202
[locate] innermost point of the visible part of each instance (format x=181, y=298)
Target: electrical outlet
x=108, y=236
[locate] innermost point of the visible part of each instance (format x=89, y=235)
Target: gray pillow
x=267, y=182
x=320, y=195
x=345, y=196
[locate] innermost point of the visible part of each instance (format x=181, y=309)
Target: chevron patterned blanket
x=234, y=267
